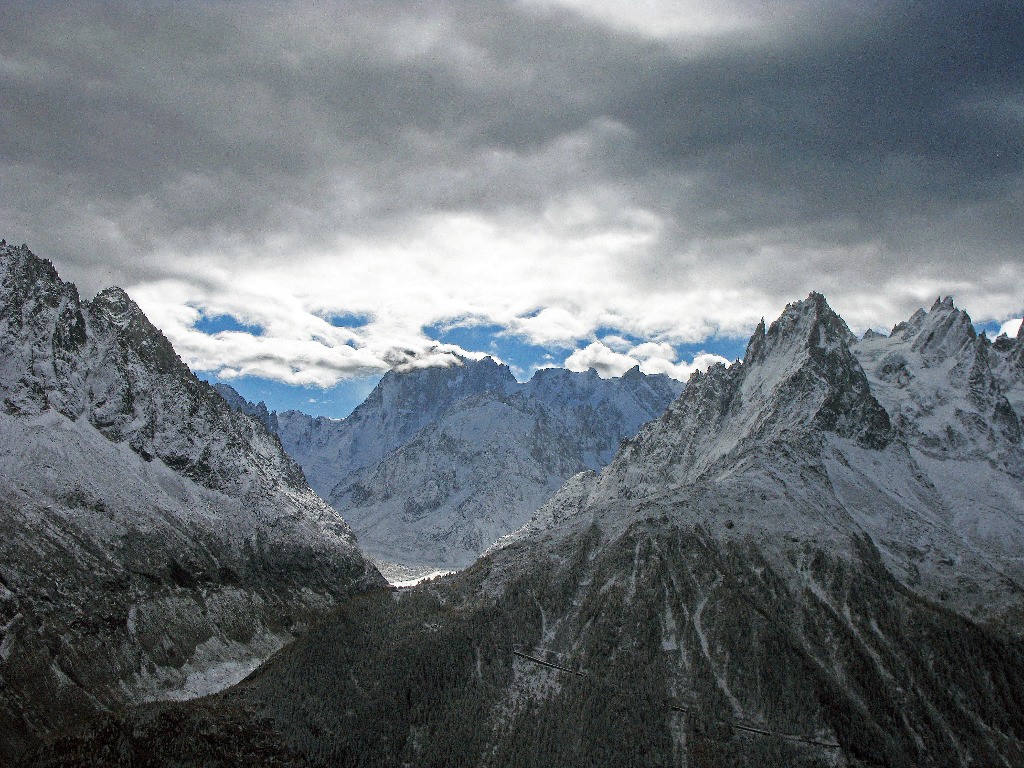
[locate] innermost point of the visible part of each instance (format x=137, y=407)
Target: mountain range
x=156, y=543
x=812, y=558
x=438, y=463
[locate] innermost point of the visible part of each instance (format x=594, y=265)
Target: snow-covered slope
x=438, y=463
x=154, y=541
x=947, y=510
x=800, y=441
x=401, y=404
x=945, y=386
x=777, y=572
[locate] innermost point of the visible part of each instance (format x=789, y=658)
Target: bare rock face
x=438, y=463
x=155, y=542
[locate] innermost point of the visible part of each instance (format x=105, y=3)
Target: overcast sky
x=309, y=193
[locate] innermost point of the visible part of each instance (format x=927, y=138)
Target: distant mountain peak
x=117, y=306
x=454, y=366
x=438, y=462
x=633, y=373
x=945, y=330
x=946, y=387
x=432, y=389
x=938, y=333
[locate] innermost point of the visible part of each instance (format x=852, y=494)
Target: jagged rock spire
x=945, y=385
x=798, y=379
x=755, y=347
x=42, y=331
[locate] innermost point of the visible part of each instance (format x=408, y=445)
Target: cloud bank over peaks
x=1012, y=327
x=560, y=170
x=652, y=357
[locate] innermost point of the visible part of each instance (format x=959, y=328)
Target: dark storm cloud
x=181, y=123
x=131, y=131
x=890, y=133
x=867, y=110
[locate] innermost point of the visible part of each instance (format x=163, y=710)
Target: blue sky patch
x=729, y=347
x=990, y=328
x=347, y=319
x=488, y=338
x=525, y=357
x=335, y=402
x=212, y=324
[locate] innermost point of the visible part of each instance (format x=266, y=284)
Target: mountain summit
x=797, y=379
x=156, y=544
x=437, y=463
x=948, y=388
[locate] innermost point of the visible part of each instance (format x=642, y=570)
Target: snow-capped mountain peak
x=946, y=387
x=807, y=324
x=945, y=331
x=798, y=376
x=155, y=538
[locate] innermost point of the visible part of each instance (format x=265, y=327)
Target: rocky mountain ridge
x=737, y=588
x=944, y=506
x=156, y=543
x=949, y=388
x=440, y=462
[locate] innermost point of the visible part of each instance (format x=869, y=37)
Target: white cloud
x=651, y=349
x=596, y=355
x=551, y=326
x=551, y=286
x=547, y=287
x=616, y=342
x=689, y=20
x=1011, y=327
x=652, y=357
x=436, y=356
x=681, y=371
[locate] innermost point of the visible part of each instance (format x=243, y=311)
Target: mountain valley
x=811, y=558
x=438, y=463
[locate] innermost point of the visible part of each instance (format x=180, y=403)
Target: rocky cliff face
x=947, y=387
x=156, y=543
x=401, y=405
x=780, y=571
x=438, y=463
